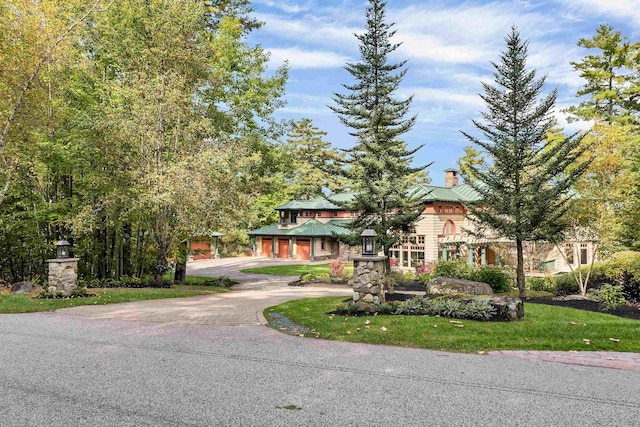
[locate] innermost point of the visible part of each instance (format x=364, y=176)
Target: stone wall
x=368, y=279
x=63, y=274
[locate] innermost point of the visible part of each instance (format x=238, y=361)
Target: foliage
x=543, y=328
x=315, y=277
x=500, y=279
x=402, y=276
x=337, y=268
x=25, y=303
x=137, y=118
x=312, y=158
x=378, y=165
x=611, y=295
x=424, y=268
x=623, y=268
x=546, y=284
x=524, y=183
x=611, y=94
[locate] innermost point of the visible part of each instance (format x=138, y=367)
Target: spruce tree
x=311, y=159
x=525, y=183
x=378, y=166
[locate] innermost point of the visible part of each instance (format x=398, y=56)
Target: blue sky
x=448, y=44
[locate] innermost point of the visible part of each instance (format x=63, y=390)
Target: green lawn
x=543, y=328
x=24, y=303
x=293, y=269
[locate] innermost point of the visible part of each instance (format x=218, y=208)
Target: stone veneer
x=63, y=274
x=368, y=279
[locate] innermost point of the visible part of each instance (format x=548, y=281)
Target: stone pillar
x=63, y=274
x=368, y=279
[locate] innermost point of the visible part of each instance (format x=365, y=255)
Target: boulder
x=507, y=308
x=445, y=285
x=21, y=287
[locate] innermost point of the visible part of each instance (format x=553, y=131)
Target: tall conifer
x=525, y=183
x=378, y=166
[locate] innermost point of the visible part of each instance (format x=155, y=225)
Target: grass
x=24, y=303
x=293, y=269
x=543, y=328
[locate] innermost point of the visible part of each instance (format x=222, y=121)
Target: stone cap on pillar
x=63, y=260
x=369, y=258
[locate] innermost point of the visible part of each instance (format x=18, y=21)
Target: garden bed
x=628, y=311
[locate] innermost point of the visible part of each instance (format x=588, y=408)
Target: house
x=306, y=231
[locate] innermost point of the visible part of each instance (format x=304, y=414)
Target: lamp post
x=63, y=270
x=369, y=242
x=63, y=249
x=369, y=272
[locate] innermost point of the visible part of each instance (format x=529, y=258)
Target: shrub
x=223, y=282
x=452, y=269
x=424, y=278
x=565, y=284
x=337, y=268
x=315, y=277
x=498, y=278
x=424, y=268
x=612, y=296
x=447, y=307
x=541, y=284
x=393, y=262
x=623, y=268
x=402, y=276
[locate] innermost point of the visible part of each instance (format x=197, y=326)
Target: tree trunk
x=161, y=266
x=181, y=264
x=520, y=268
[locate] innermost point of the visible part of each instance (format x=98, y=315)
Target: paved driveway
x=241, y=307
x=151, y=363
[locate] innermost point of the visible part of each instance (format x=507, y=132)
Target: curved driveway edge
x=235, y=308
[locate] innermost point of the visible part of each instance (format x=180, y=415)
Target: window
x=294, y=217
x=583, y=253
x=352, y=214
x=421, y=240
x=439, y=208
x=568, y=251
x=322, y=244
x=335, y=214
x=449, y=228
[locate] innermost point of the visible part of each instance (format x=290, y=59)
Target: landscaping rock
x=21, y=287
x=507, y=308
x=445, y=285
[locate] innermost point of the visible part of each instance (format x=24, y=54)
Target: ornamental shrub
x=612, y=296
x=337, y=268
x=498, y=278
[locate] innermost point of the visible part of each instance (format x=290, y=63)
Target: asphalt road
x=63, y=370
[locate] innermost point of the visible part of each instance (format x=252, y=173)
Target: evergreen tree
x=378, y=166
x=311, y=159
x=611, y=95
x=525, y=182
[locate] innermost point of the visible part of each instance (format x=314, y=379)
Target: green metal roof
x=459, y=193
x=311, y=228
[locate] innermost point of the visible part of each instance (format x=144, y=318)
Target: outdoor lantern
x=369, y=242
x=63, y=249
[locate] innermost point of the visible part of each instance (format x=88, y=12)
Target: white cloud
x=627, y=9
x=285, y=6
x=306, y=59
x=310, y=29
x=446, y=96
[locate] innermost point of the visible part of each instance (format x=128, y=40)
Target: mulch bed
x=628, y=311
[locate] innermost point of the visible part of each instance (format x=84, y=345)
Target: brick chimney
x=450, y=178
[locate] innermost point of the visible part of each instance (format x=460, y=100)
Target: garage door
x=303, y=249
x=283, y=248
x=266, y=247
